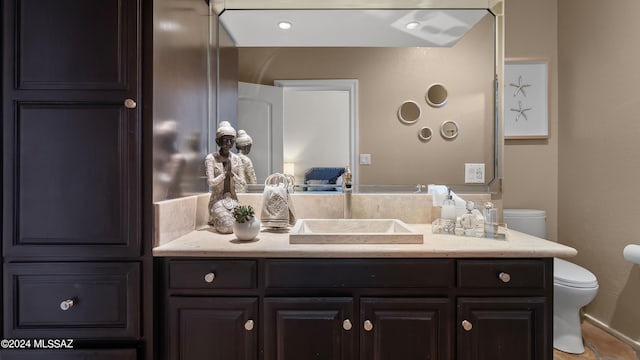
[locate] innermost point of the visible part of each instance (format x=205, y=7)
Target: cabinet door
x=71, y=165
x=212, y=328
x=404, y=328
x=308, y=328
x=503, y=329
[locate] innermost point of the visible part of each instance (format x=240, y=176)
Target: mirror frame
x=495, y=7
x=408, y=121
x=444, y=133
x=423, y=137
x=428, y=97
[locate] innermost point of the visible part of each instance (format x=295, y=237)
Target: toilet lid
x=569, y=274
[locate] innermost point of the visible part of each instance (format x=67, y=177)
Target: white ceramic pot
x=247, y=230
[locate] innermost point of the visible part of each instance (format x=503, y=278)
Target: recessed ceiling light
x=284, y=25
x=412, y=25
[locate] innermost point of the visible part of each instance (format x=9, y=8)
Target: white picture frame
x=526, y=98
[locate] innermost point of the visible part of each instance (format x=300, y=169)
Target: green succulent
x=243, y=213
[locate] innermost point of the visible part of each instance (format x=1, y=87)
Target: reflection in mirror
x=409, y=112
x=388, y=77
x=437, y=95
x=212, y=61
x=425, y=134
x=449, y=129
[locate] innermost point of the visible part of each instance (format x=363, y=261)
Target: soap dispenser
x=448, y=213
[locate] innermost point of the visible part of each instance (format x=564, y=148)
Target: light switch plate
x=365, y=159
x=474, y=173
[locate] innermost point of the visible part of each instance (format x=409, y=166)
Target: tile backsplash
x=178, y=217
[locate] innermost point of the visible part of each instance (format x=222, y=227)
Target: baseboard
x=634, y=344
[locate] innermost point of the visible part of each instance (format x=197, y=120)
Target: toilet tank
x=528, y=221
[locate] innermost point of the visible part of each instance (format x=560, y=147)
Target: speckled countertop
x=207, y=243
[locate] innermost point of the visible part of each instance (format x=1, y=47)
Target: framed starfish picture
x=526, y=98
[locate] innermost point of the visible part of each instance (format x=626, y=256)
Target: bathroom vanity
x=449, y=298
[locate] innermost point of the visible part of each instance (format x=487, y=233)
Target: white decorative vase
x=247, y=230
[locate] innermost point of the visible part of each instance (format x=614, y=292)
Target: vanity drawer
x=212, y=274
x=498, y=274
x=359, y=273
x=76, y=300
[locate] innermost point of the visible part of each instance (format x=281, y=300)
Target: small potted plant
x=247, y=226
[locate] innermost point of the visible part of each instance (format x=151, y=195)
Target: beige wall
x=585, y=175
x=599, y=150
x=531, y=166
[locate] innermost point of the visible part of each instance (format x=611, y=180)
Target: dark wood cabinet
x=71, y=148
x=510, y=315
x=405, y=328
x=74, y=261
x=502, y=328
x=85, y=300
x=64, y=354
x=309, y=328
x=214, y=328
x=504, y=309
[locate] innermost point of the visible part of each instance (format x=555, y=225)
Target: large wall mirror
x=393, y=64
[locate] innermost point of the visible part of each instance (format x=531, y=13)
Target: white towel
x=277, y=207
x=440, y=193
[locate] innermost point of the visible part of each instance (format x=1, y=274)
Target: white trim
x=622, y=337
x=349, y=85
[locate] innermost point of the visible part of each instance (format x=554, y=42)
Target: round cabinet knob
x=368, y=325
x=66, y=305
x=466, y=325
x=130, y=104
x=505, y=277
x=249, y=325
x=209, y=277
x=347, y=324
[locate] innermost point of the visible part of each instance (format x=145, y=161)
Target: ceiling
x=350, y=27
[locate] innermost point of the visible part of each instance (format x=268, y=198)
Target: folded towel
x=277, y=207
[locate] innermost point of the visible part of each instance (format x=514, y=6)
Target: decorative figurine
x=225, y=176
x=243, y=144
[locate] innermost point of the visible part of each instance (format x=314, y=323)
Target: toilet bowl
x=573, y=285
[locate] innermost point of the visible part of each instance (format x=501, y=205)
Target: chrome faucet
x=346, y=190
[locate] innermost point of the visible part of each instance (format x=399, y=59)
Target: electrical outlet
x=365, y=159
x=473, y=173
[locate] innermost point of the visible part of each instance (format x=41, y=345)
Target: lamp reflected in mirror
x=409, y=112
x=437, y=95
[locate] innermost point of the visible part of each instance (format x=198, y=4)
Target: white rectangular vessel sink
x=353, y=231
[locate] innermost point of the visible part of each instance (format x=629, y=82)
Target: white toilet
x=573, y=285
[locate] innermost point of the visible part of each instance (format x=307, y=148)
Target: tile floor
x=599, y=345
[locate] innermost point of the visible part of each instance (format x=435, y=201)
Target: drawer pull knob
x=505, y=277
x=368, y=325
x=466, y=325
x=209, y=277
x=347, y=325
x=249, y=325
x=130, y=104
x=66, y=305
